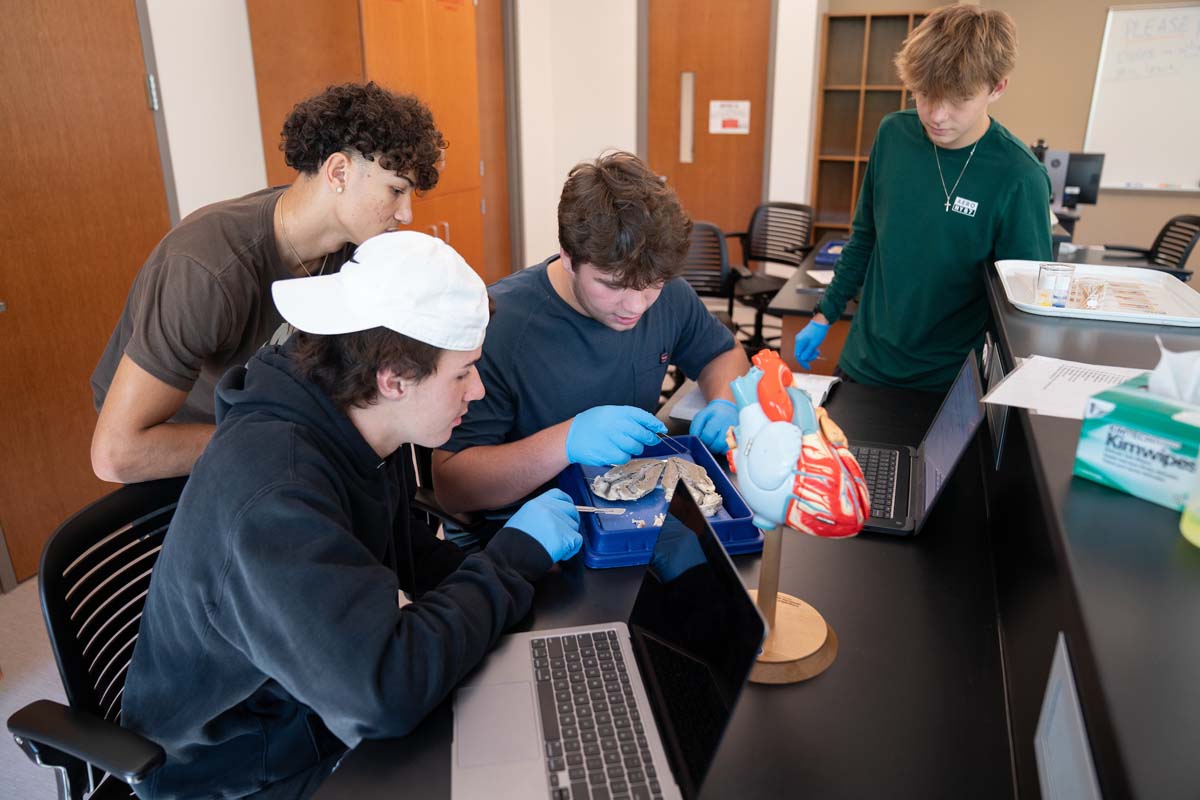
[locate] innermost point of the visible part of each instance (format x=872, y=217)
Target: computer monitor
x=1056, y=168
x=1082, y=184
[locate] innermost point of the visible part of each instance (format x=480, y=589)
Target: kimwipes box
x=1139, y=443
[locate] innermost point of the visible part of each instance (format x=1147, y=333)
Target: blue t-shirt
x=543, y=362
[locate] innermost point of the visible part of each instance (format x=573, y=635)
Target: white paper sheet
x=821, y=276
x=729, y=116
x=817, y=386
x=1055, y=387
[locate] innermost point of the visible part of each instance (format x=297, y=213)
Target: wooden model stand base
x=800, y=644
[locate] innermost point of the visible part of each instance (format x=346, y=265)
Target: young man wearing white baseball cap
x=272, y=639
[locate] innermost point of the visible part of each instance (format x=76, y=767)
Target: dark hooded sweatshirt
x=272, y=636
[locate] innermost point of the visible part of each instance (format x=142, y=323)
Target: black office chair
x=1172, y=246
x=95, y=572
x=779, y=233
x=708, y=271
x=707, y=268
x=418, y=472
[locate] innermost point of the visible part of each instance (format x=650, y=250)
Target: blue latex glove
x=552, y=520
x=611, y=435
x=808, y=340
x=712, y=422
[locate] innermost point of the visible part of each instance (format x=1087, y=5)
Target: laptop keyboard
x=595, y=739
x=879, y=469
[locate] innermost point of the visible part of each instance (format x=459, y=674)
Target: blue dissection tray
x=612, y=540
x=828, y=255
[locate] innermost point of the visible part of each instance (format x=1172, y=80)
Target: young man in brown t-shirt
x=202, y=301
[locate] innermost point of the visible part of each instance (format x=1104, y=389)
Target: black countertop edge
x=1097, y=673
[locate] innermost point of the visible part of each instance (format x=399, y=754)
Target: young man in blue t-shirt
x=579, y=345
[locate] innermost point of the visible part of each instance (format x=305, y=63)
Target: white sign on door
x=729, y=116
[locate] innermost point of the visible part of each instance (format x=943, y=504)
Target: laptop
x=624, y=709
x=905, y=483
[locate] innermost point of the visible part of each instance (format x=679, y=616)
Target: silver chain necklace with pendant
x=960, y=174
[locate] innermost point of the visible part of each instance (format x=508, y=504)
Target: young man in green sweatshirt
x=948, y=190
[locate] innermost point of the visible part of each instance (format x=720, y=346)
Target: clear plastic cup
x=1054, y=284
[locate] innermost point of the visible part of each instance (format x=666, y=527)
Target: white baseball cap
x=405, y=281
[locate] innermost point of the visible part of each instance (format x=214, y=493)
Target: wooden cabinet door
x=454, y=89
x=395, y=46
x=424, y=47
x=428, y=48
x=493, y=137
x=80, y=216
x=299, y=47
x=456, y=218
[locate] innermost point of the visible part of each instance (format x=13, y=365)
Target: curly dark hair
x=621, y=218
x=344, y=366
x=368, y=119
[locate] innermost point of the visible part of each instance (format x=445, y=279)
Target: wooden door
x=83, y=205
x=725, y=45
x=299, y=47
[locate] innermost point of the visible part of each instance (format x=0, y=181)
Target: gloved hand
x=712, y=422
x=552, y=520
x=808, y=340
x=611, y=435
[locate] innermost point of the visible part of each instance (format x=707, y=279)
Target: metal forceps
x=672, y=444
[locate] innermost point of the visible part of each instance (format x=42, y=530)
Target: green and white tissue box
x=1140, y=443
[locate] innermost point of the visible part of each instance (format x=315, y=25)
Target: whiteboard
x=1145, y=114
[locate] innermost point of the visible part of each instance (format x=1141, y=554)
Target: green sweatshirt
x=921, y=267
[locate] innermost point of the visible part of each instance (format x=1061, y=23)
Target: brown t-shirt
x=202, y=301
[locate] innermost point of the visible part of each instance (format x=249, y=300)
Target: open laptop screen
x=951, y=431
x=696, y=634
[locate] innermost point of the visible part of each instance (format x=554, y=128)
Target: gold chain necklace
x=292, y=247
x=939, y=166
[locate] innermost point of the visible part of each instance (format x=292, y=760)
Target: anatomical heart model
x=794, y=469
x=792, y=461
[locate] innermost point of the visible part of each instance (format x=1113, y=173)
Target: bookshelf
x=859, y=87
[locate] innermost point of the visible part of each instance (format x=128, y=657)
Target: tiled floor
x=29, y=674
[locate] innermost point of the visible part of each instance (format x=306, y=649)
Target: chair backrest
x=777, y=233
x=707, y=267
x=1175, y=241
x=418, y=474
x=95, y=573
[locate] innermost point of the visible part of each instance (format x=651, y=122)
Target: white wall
x=577, y=75
x=210, y=105
x=577, y=93
x=794, y=99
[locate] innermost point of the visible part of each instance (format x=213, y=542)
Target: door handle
x=447, y=236
x=3, y=306
x=687, y=116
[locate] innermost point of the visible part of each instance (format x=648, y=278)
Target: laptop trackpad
x=494, y=724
